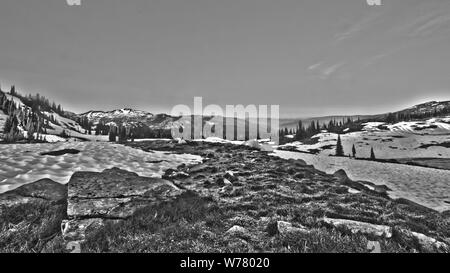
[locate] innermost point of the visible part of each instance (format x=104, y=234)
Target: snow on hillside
x=16, y=100
x=429, y=187
x=429, y=107
x=70, y=127
x=401, y=140
x=65, y=122
x=22, y=163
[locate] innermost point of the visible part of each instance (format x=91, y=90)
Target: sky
x=311, y=57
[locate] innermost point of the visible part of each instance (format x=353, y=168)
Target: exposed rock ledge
x=112, y=195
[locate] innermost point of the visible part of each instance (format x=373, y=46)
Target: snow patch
x=22, y=163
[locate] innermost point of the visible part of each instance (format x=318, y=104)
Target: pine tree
x=112, y=134
x=339, y=148
x=8, y=125
x=122, y=134
x=354, y=151
x=372, y=154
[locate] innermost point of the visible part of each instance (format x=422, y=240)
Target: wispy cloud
x=315, y=66
x=325, y=71
x=432, y=25
x=331, y=69
x=425, y=24
x=357, y=27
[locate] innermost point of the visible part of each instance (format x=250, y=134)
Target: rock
x=374, y=247
x=44, y=190
x=382, y=188
x=342, y=178
x=238, y=231
x=430, y=244
x=174, y=174
x=111, y=195
x=62, y=152
x=74, y=247
x=285, y=228
x=421, y=241
x=353, y=191
x=253, y=144
x=341, y=175
x=229, y=175
x=76, y=230
x=300, y=162
x=355, y=227
x=202, y=168
x=266, y=148
x=223, y=182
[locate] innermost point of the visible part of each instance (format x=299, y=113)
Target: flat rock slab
x=116, y=183
x=112, y=195
x=359, y=227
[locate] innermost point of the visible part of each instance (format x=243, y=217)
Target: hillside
x=31, y=120
x=420, y=111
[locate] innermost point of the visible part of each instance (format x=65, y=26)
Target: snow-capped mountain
x=123, y=114
x=129, y=117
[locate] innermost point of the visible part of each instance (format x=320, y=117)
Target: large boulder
x=341, y=175
x=355, y=227
x=111, y=195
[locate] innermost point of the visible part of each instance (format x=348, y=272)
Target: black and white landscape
x=363, y=158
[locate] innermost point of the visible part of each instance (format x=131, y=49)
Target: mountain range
x=32, y=114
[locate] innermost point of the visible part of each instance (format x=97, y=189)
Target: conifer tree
x=372, y=154
x=339, y=148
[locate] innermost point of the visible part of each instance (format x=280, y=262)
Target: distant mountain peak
x=117, y=113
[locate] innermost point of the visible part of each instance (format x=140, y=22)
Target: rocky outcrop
x=30, y=217
x=355, y=227
x=110, y=196
x=44, y=190
x=354, y=186
x=420, y=241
